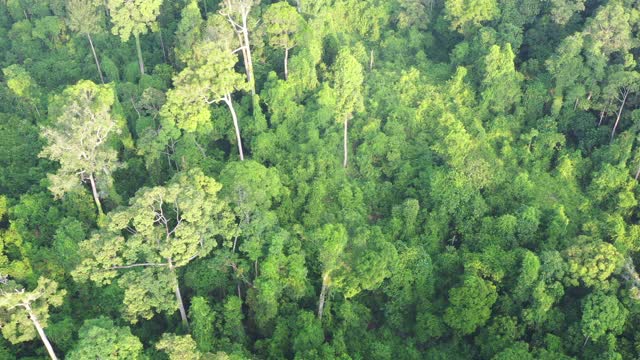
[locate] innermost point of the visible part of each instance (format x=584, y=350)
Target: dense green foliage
x=319, y=179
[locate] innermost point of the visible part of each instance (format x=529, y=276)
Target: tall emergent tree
x=23, y=314
x=334, y=240
x=237, y=13
x=348, y=79
x=351, y=264
x=78, y=140
x=164, y=228
x=282, y=24
x=134, y=17
x=208, y=78
x=85, y=18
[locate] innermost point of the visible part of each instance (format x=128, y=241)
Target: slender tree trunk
x=624, y=99
x=371, y=60
x=255, y=265
x=245, y=57
x=604, y=112
x=229, y=102
x=638, y=173
x=183, y=312
x=40, y=330
x=323, y=294
x=249, y=62
x=95, y=57
x=35, y=106
x=235, y=240
x=286, y=63
x=139, y=50
x=346, y=144
x=94, y=190
x=298, y=6
x=164, y=51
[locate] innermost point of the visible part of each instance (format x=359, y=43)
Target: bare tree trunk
x=40, y=330
x=164, y=51
x=183, y=312
x=95, y=57
x=625, y=93
x=286, y=63
x=94, y=190
x=604, y=112
x=255, y=266
x=139, y=50
x=638, y=173
x=323, y=294
x=298, y=6
x=371, y=60
x=245, y=57
x=249, y=61
x=345, y=141
x=229, y=102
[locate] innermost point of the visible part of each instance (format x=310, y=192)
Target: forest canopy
x=319, y=179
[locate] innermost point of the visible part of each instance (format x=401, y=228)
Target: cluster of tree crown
x=319, y=179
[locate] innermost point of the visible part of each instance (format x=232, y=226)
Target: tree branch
x=134, y=265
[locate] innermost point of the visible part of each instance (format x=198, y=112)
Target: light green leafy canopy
x=251, y=189
x=563, y=10
x=208, y=78
x=133, y=17
x=164, y=227
x=468, y=14
x=16, y=302
x=354, y=263
x=14, y=260
x=502, y=83
x=602, y=313
x=19, y=81
x=189, y=29
x=283, y=275
x=610, y=29
x=78, y=138
x=348, y=79
x=179, y=347
x=202, y=323
x=592, y=263
x=101, y=339
x=334, y=239
x=217, y=31
x=282, y=23
x=415, y=13
x=470, y=304
x=85, y=16
x=183, y=347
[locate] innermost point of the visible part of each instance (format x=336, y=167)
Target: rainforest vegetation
x=319, y=179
